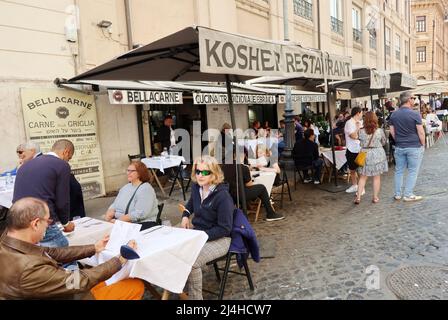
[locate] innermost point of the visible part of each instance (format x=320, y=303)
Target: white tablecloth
x=265, y=178
x=6, y=193
x=88, y=231
x=341, y=159
x=167, y=255
x=162, y=163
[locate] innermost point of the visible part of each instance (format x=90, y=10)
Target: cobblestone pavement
x=326, y=244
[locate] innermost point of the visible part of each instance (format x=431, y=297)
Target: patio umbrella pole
x=239, y=172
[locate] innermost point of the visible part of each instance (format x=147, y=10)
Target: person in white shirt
x=351, y=131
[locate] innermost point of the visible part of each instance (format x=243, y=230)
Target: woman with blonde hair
x=212, y=208
x=372, y=141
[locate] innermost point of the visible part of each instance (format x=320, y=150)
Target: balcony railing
x=337, y=26
x=357, y=35
x=303, y=9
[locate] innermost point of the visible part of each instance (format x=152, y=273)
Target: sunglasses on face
x=19, y=152
x=204, y=173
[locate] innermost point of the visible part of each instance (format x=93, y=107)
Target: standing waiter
x=48, y=178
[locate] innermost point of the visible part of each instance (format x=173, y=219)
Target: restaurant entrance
x=183, y=117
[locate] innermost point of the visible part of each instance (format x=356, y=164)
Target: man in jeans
x=48, y=178
x=407, y=130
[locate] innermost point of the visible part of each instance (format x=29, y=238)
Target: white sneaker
x=307, y=180
x=352, y=189
x=316, y=182
x=397, y=198
x=412, y=198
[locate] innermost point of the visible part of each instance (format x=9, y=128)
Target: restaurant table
x=164, y=162
x=88, y=231
x=167, y=255
x=265, y=178
x=339, y=154
x=327, y=155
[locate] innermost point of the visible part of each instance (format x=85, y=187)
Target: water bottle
x=164, y=153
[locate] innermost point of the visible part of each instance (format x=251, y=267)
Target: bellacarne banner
x=225, y=53
x=53, y=114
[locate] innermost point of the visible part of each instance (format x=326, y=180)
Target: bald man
x=48, y=178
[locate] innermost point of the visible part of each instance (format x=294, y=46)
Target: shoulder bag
x=361, y=157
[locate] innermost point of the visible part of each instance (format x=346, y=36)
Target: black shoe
x=275, y=217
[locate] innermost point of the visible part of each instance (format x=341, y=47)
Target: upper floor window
x=337, y=25
x=356, y=24
x=303, y=8
x=421, y=54
x=420, y=23
x=387, y=41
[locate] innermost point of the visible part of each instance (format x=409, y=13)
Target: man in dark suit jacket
x=48, y=178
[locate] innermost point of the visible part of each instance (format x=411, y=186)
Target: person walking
x=406, y=128
x=351, y=131
x=372, y=139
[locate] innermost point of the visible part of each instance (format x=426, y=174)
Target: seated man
x=32, y=272
x=306, y=153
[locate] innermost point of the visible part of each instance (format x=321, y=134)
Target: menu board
x=53, y=114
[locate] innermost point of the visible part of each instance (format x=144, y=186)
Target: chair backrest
x=159, y=214
x=134, y=157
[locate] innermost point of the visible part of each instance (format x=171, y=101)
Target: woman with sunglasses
x=212, y=208
x=136, y=202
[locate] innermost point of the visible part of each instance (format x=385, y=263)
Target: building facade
x=430, y=39
x=44, y=40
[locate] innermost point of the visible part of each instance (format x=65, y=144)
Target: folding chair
x=254, y=207
x=226, y=270
x=159, y=214
x=180, y=180
x=282, y=182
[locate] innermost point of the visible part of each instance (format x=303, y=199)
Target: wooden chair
x=254, y=207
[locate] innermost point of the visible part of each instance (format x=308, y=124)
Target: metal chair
x=159, y=214
x=281, y=183
x=226, y=270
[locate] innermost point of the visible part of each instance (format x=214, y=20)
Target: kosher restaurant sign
x=53, y=114
x=226, y=53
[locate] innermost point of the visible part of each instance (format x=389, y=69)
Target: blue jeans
x=54, y=238
x=409, y=158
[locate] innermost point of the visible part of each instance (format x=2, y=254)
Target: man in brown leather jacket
x=32, y=272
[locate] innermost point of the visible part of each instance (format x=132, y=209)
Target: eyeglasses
x=413, y=98
x=129, y=171
x=19, y=151
x=204, y=173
